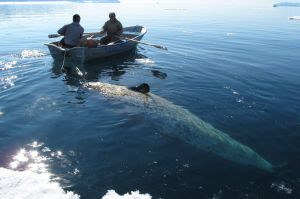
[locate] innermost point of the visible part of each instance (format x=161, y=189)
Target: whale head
x=142, y=88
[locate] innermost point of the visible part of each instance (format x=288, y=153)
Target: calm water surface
x=234, y=64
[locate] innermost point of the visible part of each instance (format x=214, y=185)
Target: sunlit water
x=234, y=64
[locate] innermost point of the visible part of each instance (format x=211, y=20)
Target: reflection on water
x=34, y=157
x=159, y=74
x=7, y=82
x=30, y=175
x=12, y=66
x=112, y=67
x=37, y=158
x=144, y=60
x=7, y=65
x=31, y=54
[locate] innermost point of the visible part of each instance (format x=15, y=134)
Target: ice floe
x=286, y=4
x=294, y=18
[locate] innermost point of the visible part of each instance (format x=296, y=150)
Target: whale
x=180, y=122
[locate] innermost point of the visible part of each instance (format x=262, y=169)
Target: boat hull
x=85, y=54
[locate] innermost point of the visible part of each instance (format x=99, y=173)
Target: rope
x=62, y=66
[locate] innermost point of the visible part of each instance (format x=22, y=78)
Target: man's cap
x=76, y=17
x=112, y=14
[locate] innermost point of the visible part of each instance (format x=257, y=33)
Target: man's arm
x=82, y=33
x=62, y=30
x=120, y=29
x=104, y=28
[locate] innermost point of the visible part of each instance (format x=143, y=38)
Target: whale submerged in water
x=178, y=121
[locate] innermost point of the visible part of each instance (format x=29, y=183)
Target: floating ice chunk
x=31, y=53
x=111, y=194
x=286, y=4
x=294, y=18
x=186, y=166
x=144, y=61
x=27, y=184
x=239, y=100
x=282, y=187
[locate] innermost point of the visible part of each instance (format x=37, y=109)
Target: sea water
x=234, y=64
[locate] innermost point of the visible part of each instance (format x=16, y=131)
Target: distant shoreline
x=26, y=1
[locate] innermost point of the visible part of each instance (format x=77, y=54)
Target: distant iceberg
x=294, y=18
x=286, y=4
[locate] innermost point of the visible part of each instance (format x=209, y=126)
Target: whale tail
x=281, y=168
x=142, y=88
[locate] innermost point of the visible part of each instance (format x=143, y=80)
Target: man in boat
x=113, y=28
x=72, y=33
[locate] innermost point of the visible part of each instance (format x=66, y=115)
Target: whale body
x=180, y=122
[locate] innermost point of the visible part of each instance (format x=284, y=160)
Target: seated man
x=113, y=28
x=72, y=33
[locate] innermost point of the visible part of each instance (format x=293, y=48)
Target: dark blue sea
x=235, y=65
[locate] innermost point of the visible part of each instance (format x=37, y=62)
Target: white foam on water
x=31, y=53
x=144, y=61
x=230, y=34
x=188, y=32
x=8, y=81
x=282, y=187
x=7, y=65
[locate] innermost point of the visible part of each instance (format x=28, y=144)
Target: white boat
x=130, y=38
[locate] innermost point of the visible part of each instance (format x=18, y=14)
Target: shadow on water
x=159, y=74
x=113, y=67
x=108, y=70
